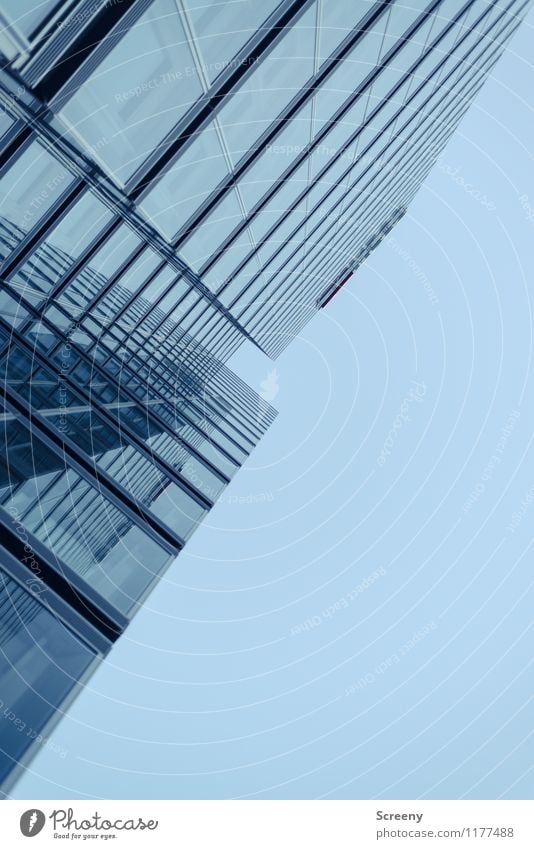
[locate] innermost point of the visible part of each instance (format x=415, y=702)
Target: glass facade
x=198, y=176
x=41, y=662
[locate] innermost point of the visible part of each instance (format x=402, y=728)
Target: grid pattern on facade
x=178, y=178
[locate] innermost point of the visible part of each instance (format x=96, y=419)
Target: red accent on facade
x=336, y=290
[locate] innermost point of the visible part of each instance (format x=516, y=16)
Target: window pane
x=75, y=521
x=277, y=156
x=222, y=28
x=40, y=662
x=137, y=94
x=127, y=285
x=348, y=75
x=64, y=244
x=115, y=251
x=270, y=86
x=337, y=19
x=210, y=234
x=30, y=186
x=27, y=15
x=5, y=122
x=188, y=182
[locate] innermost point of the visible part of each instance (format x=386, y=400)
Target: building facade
x=178, y=178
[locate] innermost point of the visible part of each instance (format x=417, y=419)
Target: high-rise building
x=178, y=177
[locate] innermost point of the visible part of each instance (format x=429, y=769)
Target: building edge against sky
x=178, y=178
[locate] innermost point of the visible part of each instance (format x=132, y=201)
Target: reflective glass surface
x=74, y=519
x=137, y=93
x=28, y=15
x=41, y=661
x=210, y=214
x=221, y=28
x=30, y=186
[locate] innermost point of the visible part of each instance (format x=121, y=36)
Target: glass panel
x=403, y=60
x=5, y=122
x=188, y=182
x=75, y=521
x=368, y=220
x=439, y=52
x=69, y=414
x=277, y=207
x=30, y=186
x=223, y=28
x=64, y=244
x=338, y=18
x=154, y=290
x=329, y=146
x=137, y=93
x=240, y=281
x=349, y=74
x=11, y=310
x=27, y=15
x=278, y=155
x=113, y=253
x=270, y=86
x=198, y=248
x=229, y=260
x=401, y=15
x=40, y=662
x=127, y=285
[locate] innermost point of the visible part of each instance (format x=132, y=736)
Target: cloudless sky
x=390, y=507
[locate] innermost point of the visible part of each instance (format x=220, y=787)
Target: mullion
x=349, y=169
x=321, y=257
x=154, y=415
x=339, y=114
x=328, y=125
x=300, y=100
x=347, y=234
x=83, y=465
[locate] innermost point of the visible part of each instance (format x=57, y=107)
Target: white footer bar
x=270, y=824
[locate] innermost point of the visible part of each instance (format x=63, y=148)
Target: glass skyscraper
x=178, y=177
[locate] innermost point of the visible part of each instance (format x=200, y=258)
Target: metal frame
x=108, y=193
x=346, y=145
x=382, y=152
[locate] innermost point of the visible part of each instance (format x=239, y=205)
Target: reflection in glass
x=28, y=189
x=41, y=661
x=137, y=93
x=74, y=520
x=222, y=28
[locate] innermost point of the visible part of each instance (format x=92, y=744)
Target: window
x=30, y=186
x=276, y=78
x=338, y=18
x=40, y=662
x=75, y=521
x=28, y=15
x=113, y=253
x=137, y=93
x=212, y=231
x=67, y=241
x=222, y=28
x=187, y=183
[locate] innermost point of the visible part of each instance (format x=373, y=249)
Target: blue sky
x=352, y=621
